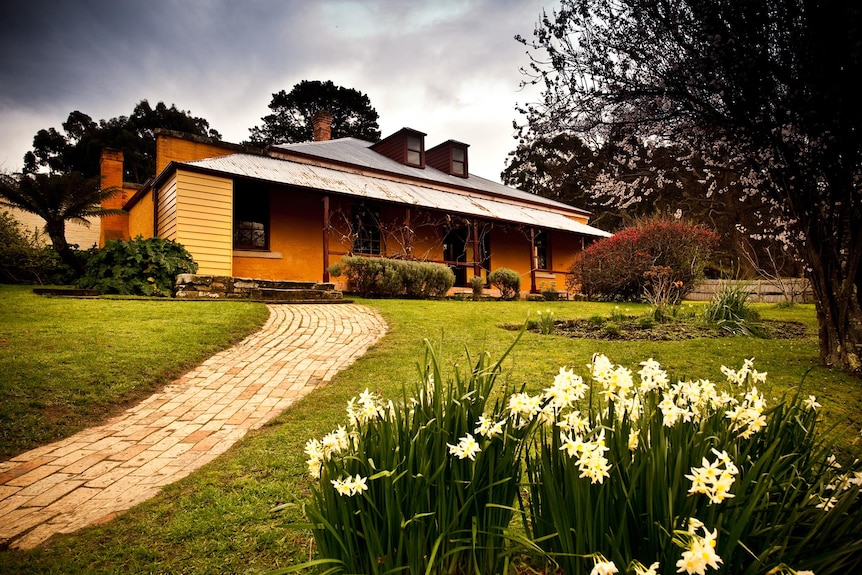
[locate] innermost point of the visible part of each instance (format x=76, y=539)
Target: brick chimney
x=113, y=227
x=321, y=123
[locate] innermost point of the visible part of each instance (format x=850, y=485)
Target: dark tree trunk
x=839, y=313
x=56, y=230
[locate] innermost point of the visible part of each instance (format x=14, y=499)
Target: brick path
x=102, y=471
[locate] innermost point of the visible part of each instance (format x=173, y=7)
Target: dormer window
x=459, y=162
x=449, y=157
x=406, y=146
x=414, y=150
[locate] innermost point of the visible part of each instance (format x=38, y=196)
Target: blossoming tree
x=763, y=89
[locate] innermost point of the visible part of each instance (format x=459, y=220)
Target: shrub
x=384, y=277
x=611, y=329
x=23, y=256
x=647, y=321
x=613, y=268
x=662, y=292
x=597, y=319
x=477, y=284
x=508, y=281
x=549, y=291
x=619, y=315
x=137, y=267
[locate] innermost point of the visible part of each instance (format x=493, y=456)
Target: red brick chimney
x=321, y=123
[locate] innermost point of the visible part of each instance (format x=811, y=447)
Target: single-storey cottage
x=290, y=212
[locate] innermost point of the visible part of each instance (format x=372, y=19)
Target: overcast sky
x=449, y=68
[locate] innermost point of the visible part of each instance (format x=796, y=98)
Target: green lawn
x=218, y=520
x=65, y=363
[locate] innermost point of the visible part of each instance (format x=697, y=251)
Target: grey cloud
x=222, y=59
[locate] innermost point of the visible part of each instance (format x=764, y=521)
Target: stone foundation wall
x=194, y=286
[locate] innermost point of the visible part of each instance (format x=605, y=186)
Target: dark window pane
x=541, y=243
x=366, y=230
x=250, y=216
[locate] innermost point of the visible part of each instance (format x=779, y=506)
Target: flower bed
x=622, y=472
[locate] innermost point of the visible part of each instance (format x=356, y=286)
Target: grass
x=65, y=363
x=218, y=520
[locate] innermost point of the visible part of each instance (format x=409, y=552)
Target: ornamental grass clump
x=427, y=484
x=689, y=479
x=730, y=310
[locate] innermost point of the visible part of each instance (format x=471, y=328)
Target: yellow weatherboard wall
x=203, y=220
x=167, y=210
x=141, y=217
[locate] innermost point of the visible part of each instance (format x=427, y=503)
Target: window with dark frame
x=485, y=250
x=458, y=160
x=250, y=216
x=414, y=150
x=543, y=259
x=366, y=230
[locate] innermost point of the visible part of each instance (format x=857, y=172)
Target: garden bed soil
x=632, y=329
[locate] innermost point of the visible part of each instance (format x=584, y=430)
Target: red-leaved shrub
x=613, y=268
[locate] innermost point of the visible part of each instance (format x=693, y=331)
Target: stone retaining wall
x=194, y=286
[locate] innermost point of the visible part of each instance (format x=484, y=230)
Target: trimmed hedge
x=382, y=277
x=508, y=281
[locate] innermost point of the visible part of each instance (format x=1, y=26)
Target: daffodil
x=811, y=403
x=634, y=439
x=467, y=447
x=640, y=569
x=350, y=486
x=652, y=376
x=574, y=422
x=602, y=566
x=714, y=479
x=699, y=552
x=488, y=427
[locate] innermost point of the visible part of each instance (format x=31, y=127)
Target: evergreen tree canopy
x=290, y=121
x=79, y=147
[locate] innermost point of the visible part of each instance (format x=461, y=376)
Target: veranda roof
x=373, y=187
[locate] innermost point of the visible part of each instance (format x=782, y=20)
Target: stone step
x=295, y=295
x=288, y=285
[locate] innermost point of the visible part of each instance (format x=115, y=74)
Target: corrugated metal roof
x=358, y=152
x=377, y=188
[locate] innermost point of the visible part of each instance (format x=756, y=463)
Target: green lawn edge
x=219, y=519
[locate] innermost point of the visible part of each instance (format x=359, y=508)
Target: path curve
x=102, y=471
